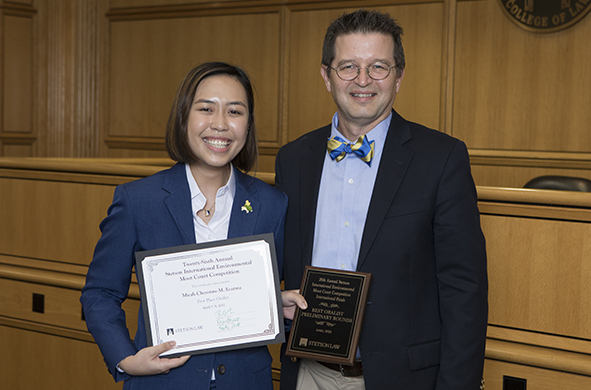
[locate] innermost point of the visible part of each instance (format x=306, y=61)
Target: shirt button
x=342, y=266
x=350, y=181
x=221, y=369
x=347, y=223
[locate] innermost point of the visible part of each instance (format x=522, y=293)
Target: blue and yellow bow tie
x=338, y=148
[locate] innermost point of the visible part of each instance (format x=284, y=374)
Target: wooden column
x=69, y=61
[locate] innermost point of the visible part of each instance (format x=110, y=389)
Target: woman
x=211, y=135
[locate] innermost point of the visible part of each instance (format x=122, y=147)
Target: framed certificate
x=328, y=330
x=212, y=297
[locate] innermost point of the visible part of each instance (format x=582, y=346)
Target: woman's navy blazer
x=153, y=213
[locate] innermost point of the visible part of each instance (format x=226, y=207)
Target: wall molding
x=14, y=9
x=17, y=138
x=539, y=159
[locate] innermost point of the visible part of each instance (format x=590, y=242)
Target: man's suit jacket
x=426, y=314
x=153, y=213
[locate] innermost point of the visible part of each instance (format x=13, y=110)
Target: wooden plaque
x=328, y=330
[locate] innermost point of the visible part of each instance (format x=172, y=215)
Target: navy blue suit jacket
x=152, y=213
x=426, y=314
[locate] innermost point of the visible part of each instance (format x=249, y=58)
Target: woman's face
x=218, y=121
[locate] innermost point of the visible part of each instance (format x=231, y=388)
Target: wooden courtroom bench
x=539, y=262
x=539, y=267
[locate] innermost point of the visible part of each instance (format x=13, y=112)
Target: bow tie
x=338, y=148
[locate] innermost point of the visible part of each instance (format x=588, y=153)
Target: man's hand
x=291, y=299
x=147, y=362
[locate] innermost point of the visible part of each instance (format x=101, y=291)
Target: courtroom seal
x=545, y=16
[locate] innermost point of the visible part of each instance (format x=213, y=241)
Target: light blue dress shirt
x=345, y=192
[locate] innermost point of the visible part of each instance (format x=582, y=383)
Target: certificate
x=212, y=297
x=328, y=330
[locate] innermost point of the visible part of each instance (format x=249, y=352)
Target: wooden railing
x=539, y=259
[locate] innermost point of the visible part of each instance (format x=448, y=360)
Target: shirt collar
x=377, y=134
x=194, y=188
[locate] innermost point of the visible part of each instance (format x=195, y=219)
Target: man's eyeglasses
x=349, y=72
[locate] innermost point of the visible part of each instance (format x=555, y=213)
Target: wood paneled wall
x=96, y=78
x=17, y=78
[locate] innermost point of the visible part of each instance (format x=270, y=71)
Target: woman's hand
x=291, y=299
x=147, y=361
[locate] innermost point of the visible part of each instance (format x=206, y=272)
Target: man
x=402, y=206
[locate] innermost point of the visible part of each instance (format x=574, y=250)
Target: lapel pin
x=247, y=207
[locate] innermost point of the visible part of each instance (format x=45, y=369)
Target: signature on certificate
x=227, y=319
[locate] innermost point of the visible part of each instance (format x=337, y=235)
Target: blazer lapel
x=393, y=165
x=311, y=164
x=243, y=223
x=178, y=202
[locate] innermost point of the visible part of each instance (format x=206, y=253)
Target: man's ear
x=325, y=76
x=399, y=81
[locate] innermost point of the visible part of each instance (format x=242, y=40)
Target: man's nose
x=363, y=78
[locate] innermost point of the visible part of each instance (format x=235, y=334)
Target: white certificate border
x=229, y=343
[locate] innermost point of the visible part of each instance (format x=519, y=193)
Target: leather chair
x=562, y=183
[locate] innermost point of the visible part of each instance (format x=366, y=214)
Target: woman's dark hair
x=364, y=22
x=177, y=141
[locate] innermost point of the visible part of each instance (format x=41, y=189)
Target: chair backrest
x=563, y=183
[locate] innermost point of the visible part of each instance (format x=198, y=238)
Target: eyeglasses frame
x=366, y=69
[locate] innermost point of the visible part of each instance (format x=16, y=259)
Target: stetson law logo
x=545, y=15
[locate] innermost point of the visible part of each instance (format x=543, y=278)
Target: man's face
x=363, y=102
